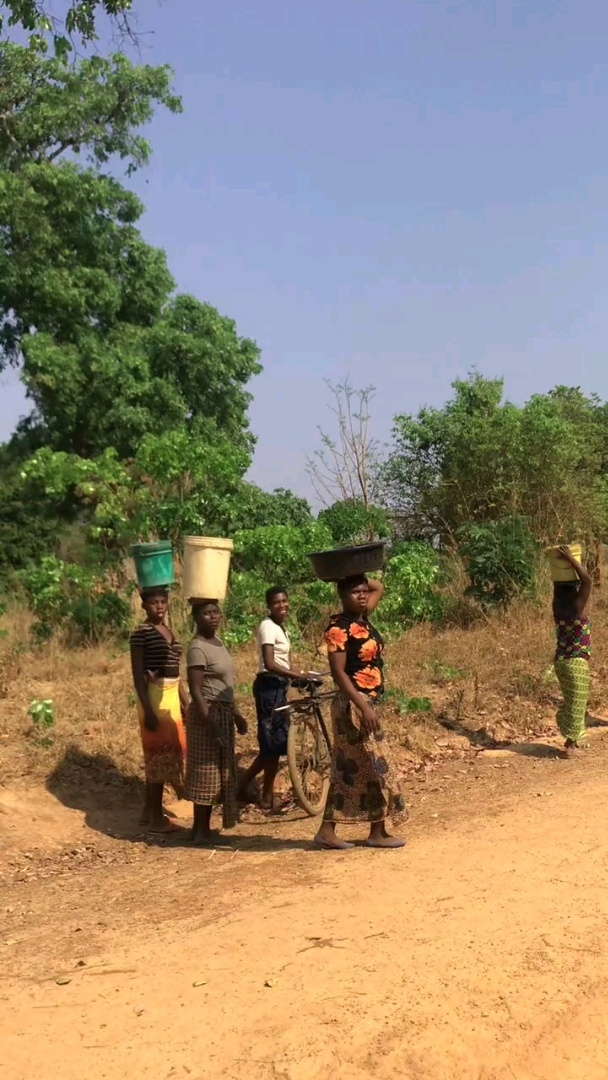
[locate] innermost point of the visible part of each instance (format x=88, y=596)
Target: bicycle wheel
x=309, y=761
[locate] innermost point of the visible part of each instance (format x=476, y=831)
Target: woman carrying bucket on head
x=161, y=701
x=573, y=626
x=161, y=696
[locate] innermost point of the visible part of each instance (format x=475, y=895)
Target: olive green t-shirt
x=213, y=656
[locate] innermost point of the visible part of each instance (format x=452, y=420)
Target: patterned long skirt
x=364, y=785
x=575, y=681
x=211, y=768
x=165, y=748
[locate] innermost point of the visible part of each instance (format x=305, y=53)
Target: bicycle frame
x=311, y=705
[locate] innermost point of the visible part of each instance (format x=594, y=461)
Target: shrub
x=73, y=599
x=411, y=581
x=279, y=553
x=501, y=559
x=351, y=522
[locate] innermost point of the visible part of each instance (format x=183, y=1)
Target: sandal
x=391, y=843
x=339, y=845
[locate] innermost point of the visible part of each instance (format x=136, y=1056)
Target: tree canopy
x=79, y=21
x=480, y=458
x=108, y=354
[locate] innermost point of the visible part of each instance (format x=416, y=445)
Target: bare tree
x=345, y=466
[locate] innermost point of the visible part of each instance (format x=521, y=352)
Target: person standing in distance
x=270, y=692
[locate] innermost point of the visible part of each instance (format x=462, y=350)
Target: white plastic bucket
x=206, y=567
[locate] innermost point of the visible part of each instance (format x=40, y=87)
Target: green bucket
x=154, y=564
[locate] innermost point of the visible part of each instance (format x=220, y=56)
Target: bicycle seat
x=306, y=684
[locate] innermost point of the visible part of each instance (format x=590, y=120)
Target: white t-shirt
x=270, y=633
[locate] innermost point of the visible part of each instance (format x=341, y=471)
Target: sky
x=391, y=191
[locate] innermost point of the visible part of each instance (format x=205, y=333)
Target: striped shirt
x=161, y=657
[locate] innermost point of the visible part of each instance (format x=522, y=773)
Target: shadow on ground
x=480, y=739
x=110, y=800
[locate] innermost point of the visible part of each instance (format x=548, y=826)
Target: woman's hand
x=565, y=553
x=241, y=724
x=150, y=721
x=369, y=719
x=216, y=731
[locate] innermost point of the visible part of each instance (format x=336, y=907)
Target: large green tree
x=186, y=369
x=107, y=353
x=71, y=256
x=480, y=458
x=139, y=422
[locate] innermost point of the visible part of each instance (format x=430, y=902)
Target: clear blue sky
x=395, y=190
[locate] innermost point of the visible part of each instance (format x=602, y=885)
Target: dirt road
x=479, y=952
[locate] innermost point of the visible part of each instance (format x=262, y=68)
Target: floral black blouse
x=363, y=646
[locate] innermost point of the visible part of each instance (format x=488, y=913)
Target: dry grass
x=488, y=682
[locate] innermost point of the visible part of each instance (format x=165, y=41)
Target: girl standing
x=210, y=724
x=161, y=700
x=573, y=626
x=270, y=693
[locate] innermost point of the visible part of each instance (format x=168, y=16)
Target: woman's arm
x=337, y=664
x=275, y=669
x=376, y=589
x=184, y=698
x=140, y=682
x=196, y=676
x=583, y=576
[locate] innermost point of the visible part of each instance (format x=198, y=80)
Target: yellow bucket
x=560, y=569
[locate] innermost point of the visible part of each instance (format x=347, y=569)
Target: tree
x=479, y=459
x=72, y=261
x=93, y=109
x=79, y=21
x=177, y=484
x=108, y=355
x=71, y=256
x=345, y=466
x=188, y=369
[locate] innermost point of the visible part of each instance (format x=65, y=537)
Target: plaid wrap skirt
x=211, y=767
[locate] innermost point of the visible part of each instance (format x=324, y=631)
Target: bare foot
x=572, y=747
x=161, y=827
x=210, y=838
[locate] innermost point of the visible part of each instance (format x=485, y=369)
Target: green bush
x=244, y=606
x=501, y=558
x=74, y=600
x=98, y=615
x=411, y=581
x=351, y=522
x=280, y=553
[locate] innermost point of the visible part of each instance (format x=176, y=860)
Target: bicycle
x=308, y=745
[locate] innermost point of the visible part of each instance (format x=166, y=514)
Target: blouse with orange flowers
x=363, y=646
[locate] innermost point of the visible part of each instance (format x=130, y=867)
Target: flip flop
x=340, y=845
x=393, y=843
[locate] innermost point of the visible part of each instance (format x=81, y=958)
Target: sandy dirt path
x=479, y=953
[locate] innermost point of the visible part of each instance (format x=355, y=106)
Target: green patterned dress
x=574, y=675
